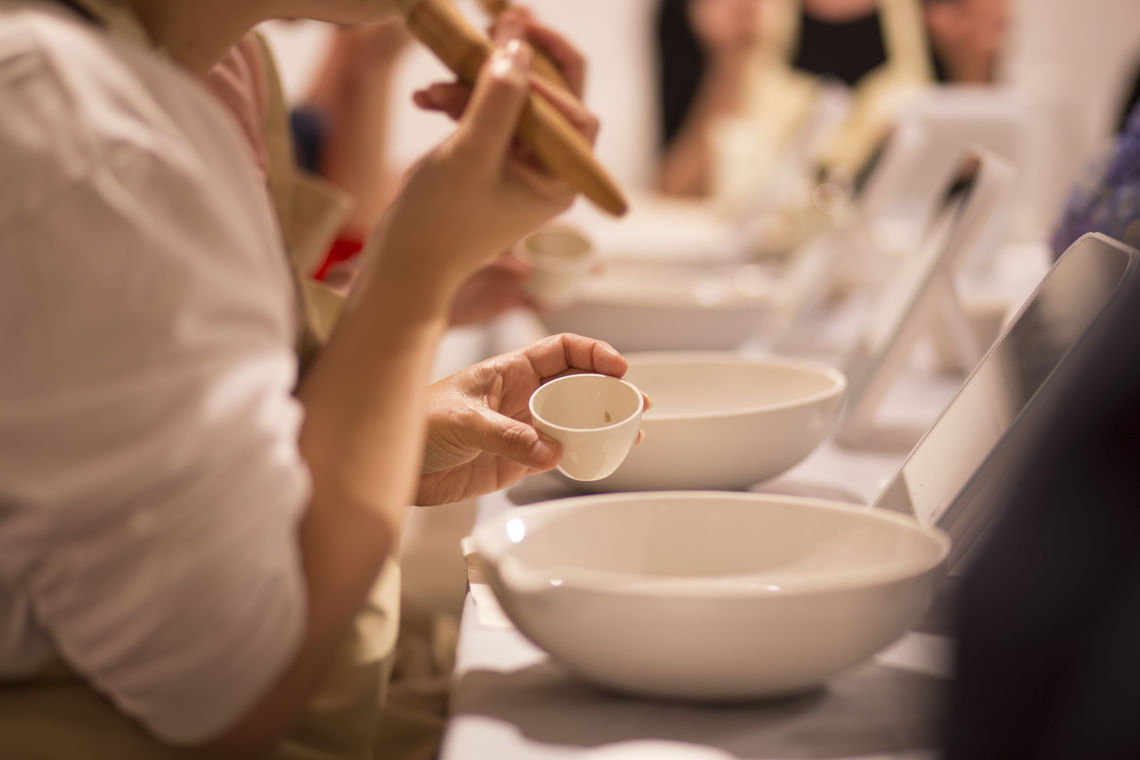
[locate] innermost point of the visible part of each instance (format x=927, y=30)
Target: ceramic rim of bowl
x=658, y=358
x=639, y=410
x=649, y=299
x=705, y=587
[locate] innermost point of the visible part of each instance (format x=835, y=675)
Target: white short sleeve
x=150, y=482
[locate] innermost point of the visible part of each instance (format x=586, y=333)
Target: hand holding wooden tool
x=544, y=65
x=440, y=26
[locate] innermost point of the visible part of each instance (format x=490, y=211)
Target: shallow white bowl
x=648, y=306
x=722, y=420
x=709, y=595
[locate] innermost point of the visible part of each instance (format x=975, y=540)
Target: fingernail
x=512, y=56
x=544, y=453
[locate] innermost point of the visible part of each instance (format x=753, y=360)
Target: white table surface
x=510, y=701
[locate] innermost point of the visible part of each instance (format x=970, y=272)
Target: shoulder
x=137, y=206
x=77, y=103
x=122, y=158
x=41, y=140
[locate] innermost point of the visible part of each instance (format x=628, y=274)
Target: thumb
x=517, y=441
x=488, y=124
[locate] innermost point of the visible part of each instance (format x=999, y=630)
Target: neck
x=196, y=33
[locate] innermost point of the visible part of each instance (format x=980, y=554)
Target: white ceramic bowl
x=709, y=595
x=722, y=420
x=560, y=259
x=645, y=306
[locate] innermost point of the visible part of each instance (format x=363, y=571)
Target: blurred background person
x=756, y=71
x=341, y=130
x=705, y=48
x=1105, y=196
x=967, y=38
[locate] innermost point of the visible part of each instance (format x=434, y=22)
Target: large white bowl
x=709, y=595
x=651, y=306
x=722, y=420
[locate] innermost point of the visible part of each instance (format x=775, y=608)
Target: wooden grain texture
x=440, y=26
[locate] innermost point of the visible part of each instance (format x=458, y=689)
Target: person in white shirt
x=185, y=525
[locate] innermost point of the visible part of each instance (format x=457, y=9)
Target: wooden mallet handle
x=443, y=29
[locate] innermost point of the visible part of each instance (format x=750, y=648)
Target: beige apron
x=311, y=212
x=57, y=716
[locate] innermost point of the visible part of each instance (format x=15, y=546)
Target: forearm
x=356, y=155
x=362, y=440
x=685, y=166
x=353, y=90
x=364, y=396
x=687, y=160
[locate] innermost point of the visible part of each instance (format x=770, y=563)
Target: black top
x=680, y=65
x=844, y=51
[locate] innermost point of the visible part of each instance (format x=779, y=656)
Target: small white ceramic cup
x=561, y=258
x=596, y=418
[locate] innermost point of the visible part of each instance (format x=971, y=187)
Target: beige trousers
x=58, y=716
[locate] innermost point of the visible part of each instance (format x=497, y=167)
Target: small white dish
x=663, y=229
x=723, y=420
x=709, y=595
x=657, y=306
x=595, y=418
x=561, y=258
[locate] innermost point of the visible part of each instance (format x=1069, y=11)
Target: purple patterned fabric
x=1106, y=197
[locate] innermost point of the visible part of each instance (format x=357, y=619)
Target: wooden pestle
x=442, y=28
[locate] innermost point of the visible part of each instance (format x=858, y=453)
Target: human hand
x=479, y=436
x=558, y=60
x=517, y=23
x=479, y=192
x=376, y=45
x=496, y=288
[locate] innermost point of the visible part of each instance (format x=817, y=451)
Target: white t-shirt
x=150, y=482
